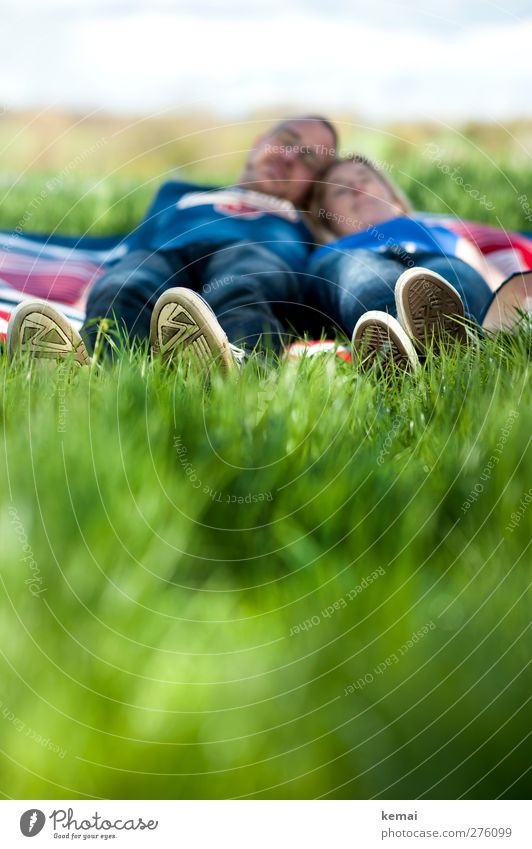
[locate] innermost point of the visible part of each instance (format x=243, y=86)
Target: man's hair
x=326, y=123
x=320, y=118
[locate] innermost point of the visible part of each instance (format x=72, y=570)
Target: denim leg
x=473, y=289
x=342, y=285
x=129, y=290
x=253, y=293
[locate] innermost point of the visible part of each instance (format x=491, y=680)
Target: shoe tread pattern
x=433, y=311
x=377, y=345
x=178, y=330
x=41, y=337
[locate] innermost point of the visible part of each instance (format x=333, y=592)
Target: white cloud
x=123, y=58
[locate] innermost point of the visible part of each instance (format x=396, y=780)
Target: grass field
x=304, y=583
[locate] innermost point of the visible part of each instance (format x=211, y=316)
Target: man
x=210, y=268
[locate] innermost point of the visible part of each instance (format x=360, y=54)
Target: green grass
x=165, y=654
x=161, y=653
x=115, y=202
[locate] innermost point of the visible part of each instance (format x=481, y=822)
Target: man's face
x=286, y=161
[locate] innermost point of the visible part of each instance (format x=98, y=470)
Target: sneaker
x=182, y=320
x=378, y=337
x=37, y=328
x=429, y=308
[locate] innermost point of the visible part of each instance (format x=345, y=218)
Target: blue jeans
x=250, y=289
x=342, y=285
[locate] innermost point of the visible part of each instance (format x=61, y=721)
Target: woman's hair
x=321, y=185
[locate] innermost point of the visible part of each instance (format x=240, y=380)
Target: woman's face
x=355, y=198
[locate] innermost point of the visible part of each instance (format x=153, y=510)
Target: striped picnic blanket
x=54, y=268
x=508, y=253
x=62, y=269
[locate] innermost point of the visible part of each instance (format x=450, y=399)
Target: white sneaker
x=183, y=321
x=379, y=338
x=39, y=329
x=430, y=309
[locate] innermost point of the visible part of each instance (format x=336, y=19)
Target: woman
x=373, y=240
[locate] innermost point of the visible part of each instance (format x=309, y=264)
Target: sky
x=381, y=60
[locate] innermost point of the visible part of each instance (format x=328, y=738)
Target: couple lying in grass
x=303, y=243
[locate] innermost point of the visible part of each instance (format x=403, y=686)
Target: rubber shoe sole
x=183, y=322
x=430, y=309
x=37, y=328
x=379, y=338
